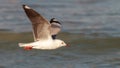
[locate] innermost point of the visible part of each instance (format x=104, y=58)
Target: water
x=78, y=16
x=91, y=27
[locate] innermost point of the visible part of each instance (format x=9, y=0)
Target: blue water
x=77, y=16
x=91, y=27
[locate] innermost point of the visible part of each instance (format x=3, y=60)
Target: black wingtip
x=23, y=5
x=55, y=21
x=52, y=20
x=54, y=36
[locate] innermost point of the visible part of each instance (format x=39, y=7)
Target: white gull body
x=44, y=44
x=43, y=31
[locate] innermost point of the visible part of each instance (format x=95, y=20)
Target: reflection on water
x=91, y=27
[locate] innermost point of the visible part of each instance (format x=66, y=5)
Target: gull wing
x=55, y=27
x=41, y=27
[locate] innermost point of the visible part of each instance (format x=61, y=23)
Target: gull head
x=59, y=43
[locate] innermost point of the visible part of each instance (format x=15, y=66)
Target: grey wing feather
x=55, y=26
x=41, y=27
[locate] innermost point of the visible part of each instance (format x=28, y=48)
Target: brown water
x=84, y=52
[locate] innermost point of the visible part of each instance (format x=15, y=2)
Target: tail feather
x=21, y=44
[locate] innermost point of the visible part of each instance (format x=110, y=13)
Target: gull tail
x=21, y=44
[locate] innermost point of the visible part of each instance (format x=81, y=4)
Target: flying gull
x=44, y=32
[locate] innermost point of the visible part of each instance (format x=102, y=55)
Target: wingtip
x=55, y=21
x=23, y=5
x=26, y=7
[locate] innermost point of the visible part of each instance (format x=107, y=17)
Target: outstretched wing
x=41, y=27
x=55, y=27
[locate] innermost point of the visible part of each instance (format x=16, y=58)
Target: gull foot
x=28, y=47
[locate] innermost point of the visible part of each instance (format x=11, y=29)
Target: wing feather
x=55, y=27
x=41, y=27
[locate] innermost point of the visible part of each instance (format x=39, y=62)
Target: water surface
x=90, y=27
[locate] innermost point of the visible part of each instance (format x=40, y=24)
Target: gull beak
x=67, y=45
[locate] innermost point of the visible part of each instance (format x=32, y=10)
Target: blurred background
x=91, y=27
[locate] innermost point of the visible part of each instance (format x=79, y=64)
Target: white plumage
x=43, y=31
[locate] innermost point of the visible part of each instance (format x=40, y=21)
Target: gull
x=44, y=32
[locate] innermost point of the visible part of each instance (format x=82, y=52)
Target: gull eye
x=62, y=42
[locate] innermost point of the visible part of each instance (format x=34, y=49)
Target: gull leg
x=25, y=46
x=28, y=47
